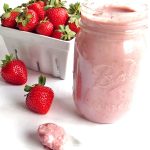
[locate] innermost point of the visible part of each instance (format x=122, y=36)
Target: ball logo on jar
x=106, y=75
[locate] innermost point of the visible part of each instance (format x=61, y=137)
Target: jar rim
x=118, y=11
x=87, y=2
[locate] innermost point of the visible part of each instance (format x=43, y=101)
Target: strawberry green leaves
x=23, y=18
x=6, y=8
x=7, y=59
x=41, y=81
x=67, y=33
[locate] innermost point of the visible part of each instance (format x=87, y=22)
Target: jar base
x=99, y=118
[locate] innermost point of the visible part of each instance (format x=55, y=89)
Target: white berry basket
x=54, y=56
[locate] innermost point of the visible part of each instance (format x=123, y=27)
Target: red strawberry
x=56, y=12
x=75, y=14
x=40, y=97
x=63, y=33
x=45, y=27
x=41, y=3
x=13, y=70
x=58, y=16
x=8, y=18
x=38, y=9
x=28, y=20
x=74, y=27
x=57, y=34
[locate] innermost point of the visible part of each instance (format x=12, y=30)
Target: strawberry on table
x=13, y=70
x=40, y=97
x=57, y=13
x=8, y=19
x=36, y=6
x=45, y=27
x=64, y=33
x=27, y=20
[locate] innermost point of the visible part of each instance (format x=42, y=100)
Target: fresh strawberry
x=8, y=18
x=38, y=9
x=13, y=70
x=57, y=13
x=41, y=2
x=57, y=34
x=74, y=27
x=28, y=20
x=44, y=27
x=74, y=16
x=40, y=97
x=64, y=33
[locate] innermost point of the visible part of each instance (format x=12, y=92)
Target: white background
x=18, y=125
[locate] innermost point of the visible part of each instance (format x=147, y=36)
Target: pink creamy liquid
x=107, y=57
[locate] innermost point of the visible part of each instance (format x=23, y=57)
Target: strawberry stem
x=16, y=55
x=38, y=66
x=54, y=4
x=67, y=33
x=27, y=88
x=6, y=8
x=42, y=80
x=24, y=17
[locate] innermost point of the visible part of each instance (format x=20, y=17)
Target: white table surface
x=18, y=125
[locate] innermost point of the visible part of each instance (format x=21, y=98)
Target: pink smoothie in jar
x=108, y=52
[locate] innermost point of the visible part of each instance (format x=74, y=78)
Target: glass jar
x=108, y=52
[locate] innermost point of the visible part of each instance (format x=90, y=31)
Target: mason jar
x=108, y=51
